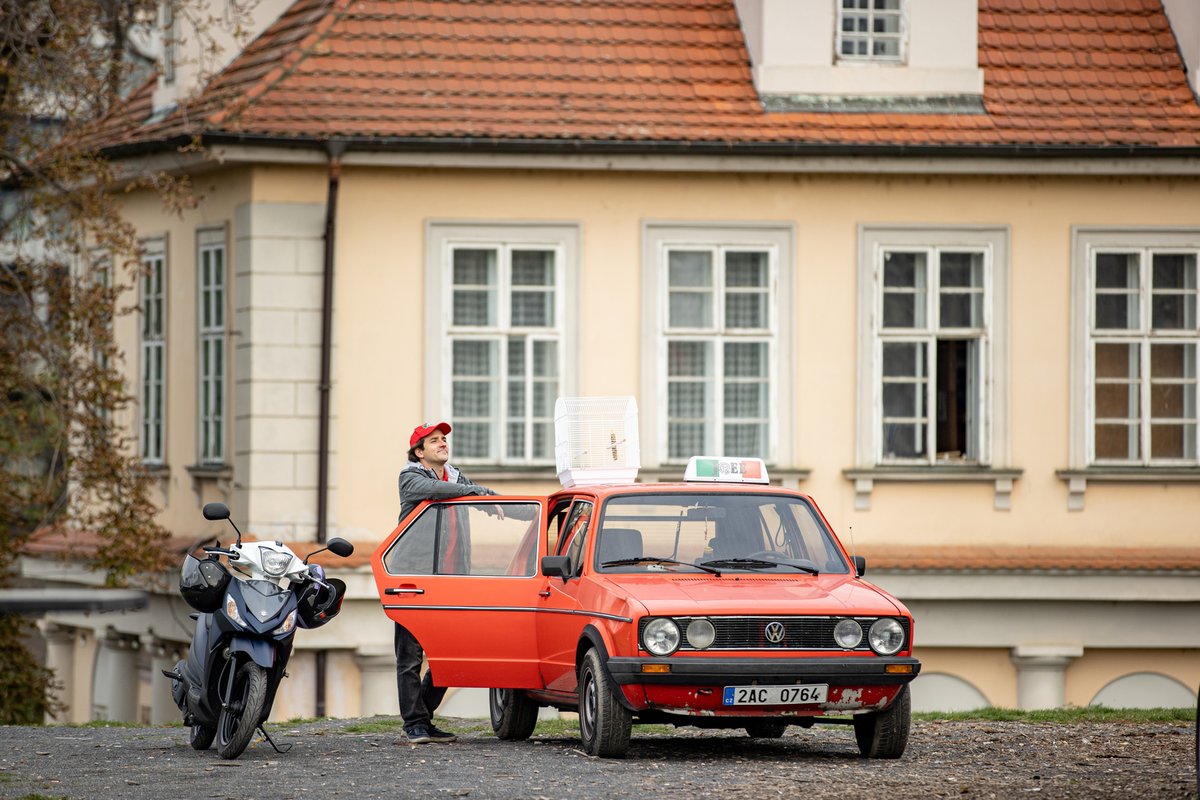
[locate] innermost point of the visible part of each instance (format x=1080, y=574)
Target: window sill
x=865, y=478
x=1077, y=479
x=157, y=470
x=210, y=471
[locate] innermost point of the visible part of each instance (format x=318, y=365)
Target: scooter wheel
x=244, y=711
x=201, y=738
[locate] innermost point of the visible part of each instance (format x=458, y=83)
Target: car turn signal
x=656, y=667
x=899, y=669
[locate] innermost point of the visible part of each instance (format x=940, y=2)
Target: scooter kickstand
x=271, y=741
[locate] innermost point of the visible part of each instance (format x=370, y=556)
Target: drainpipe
x=335, y=149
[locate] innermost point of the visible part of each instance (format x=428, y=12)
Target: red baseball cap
x=421, y=431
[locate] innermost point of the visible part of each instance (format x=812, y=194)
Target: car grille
x=749, y=633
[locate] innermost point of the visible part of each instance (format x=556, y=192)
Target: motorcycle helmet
x=319, y=605
x=203, y=583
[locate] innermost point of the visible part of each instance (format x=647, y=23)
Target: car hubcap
x=589, y=703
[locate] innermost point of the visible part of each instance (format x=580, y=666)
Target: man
x=427, y=476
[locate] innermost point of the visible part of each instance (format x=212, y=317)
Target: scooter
x=248, y=615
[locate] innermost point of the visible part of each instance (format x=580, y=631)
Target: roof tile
x=1099, y=72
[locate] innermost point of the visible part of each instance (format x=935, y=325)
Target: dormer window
x=871, y=30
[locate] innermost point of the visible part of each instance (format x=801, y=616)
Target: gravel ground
x=944, y=759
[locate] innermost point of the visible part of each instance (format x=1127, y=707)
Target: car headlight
x=847, y=633
x=276, y=564
x=661, y=636
x=700, y=633
x=288, y=625
x=231, y=610
x=886, y=636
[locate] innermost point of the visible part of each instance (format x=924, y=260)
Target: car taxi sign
x=726, y=470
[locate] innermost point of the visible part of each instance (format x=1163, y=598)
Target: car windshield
x=726, y=531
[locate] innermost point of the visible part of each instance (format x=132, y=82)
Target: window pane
x=962, y=270
x=957, y=310
x=688, y=359
x=746, y=359
x=1117, y=442
x=1116, y=401
x=903, y=440
x=543, y=439
x=746, y=310
x=412, y=553
x=685, y=439
x=745, y=400
x=471, y=399
x=474, y=357
x=533, y=309
x=1116, y=271
x=747, y=440
x=746, y=269
x=544, y=395
x=689, y=269
x=904, y=290
x=1173, y=302
x=902, y=399
x=545, y=359
x=471, y=439
x=903, y=358
x=1117, y=360
x=516, y=400
x=533, y=267
x=1173, y=441
x=474, y=300
x=686, y=399
x=690, y=310
x=515, y=441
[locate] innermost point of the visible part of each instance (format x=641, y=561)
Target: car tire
x=765, y=729
x=604, y=724
x=884, y=734
x=514, y=716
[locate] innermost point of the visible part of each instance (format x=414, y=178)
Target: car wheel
x=201, y=737
x=766, y=729
x=514, y=716
x=884, y=734
x=604, y=724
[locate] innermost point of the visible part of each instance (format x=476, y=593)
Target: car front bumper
x=743, y=671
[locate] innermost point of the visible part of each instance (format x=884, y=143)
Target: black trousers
x=419, y=698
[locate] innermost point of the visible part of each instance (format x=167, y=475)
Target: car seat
x=617, y=544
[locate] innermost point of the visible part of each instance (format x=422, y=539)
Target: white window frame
x=1087, y=243
x=993, y=385
x=443, y=238
x=153, y=356
x=839, y=35
x=658, y=239
x=212, y=384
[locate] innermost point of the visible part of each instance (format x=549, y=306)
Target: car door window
x=575, y=538
x=467, y=539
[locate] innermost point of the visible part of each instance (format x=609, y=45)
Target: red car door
x=462, y=575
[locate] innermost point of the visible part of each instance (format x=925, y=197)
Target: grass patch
x=1062, y=716
x=106, y=723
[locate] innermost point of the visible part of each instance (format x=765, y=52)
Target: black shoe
x=417, y=734
x=439, y=736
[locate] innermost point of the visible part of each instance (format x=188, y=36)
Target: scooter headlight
x=231, y=610
x=288, y=625
x=276, y=564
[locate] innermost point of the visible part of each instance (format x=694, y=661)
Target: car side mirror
x=556, y=567
x=860, y=566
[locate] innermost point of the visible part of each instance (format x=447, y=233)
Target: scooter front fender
x=261, y=651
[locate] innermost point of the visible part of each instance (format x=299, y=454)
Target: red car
x=718, y=602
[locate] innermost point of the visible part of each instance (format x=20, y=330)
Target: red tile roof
x=1057, y=73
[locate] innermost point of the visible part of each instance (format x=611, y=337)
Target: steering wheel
x=768, y=555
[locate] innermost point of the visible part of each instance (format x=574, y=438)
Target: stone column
x=60, y=659
x=163, y=656
x=115, y=687
x=1041, y=674
x=377, y=667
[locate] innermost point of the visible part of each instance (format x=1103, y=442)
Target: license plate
x=775, y=695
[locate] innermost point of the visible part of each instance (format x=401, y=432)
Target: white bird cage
x=596, y=440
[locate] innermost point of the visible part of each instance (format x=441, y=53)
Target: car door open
x=461, y=575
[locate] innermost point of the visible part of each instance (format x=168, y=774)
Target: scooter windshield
x=264, y=599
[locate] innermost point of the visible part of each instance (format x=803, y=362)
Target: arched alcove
x=937, y=691
x=1145, y=690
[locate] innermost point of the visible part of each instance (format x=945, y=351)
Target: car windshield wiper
x=629, y=562
x=761, y=563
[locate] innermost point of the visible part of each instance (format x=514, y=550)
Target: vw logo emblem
x=774, y=632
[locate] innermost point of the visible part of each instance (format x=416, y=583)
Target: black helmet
x=203, y=583
x=319, y=605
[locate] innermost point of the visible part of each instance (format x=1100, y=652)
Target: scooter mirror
x=340, y=547
x=216, y=511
